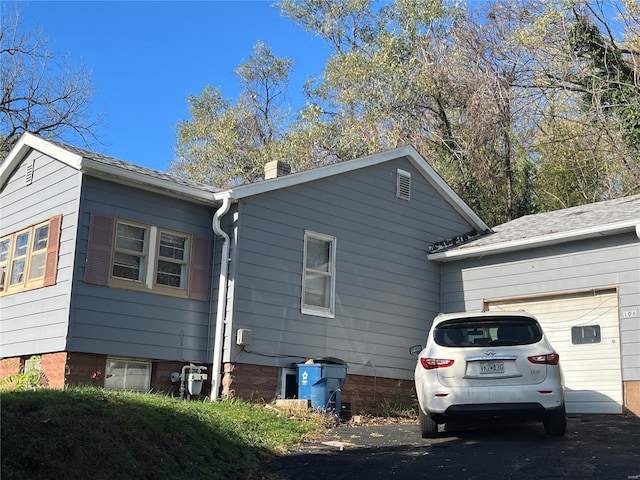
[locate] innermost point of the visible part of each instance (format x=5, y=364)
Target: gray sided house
x=119, y=276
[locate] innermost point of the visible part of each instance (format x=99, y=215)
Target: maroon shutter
x=98, y=262
x=53, y=247
x=199, y=268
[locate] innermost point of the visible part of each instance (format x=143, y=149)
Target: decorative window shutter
x=199, y=272
x=98, y=262
x=53, y=249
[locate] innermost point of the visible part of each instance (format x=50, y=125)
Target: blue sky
x=147, y=57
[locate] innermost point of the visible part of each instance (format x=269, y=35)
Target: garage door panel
x=593, y=375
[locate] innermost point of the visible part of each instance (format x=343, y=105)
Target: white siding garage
x=583, y=327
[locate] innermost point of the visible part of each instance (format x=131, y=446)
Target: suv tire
x=555, y=422
x=428, y=427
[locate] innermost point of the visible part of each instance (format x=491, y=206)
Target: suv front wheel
x=428, y=427
x=555, y=422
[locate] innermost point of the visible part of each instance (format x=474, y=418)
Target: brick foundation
x=632, y=397
x=261, y=383
x=161, y=378
x=10, y=366
x=367, y=393
x=62, y=369
x=250, y=382
x=53, y=368
x=85, y=369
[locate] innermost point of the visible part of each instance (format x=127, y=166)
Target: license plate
x=491, y=367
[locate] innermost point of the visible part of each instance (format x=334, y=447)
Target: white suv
x=485, y=365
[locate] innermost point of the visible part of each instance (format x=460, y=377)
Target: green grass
x=82, y=433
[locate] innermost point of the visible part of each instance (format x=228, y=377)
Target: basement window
x=403, y=185
x=125, y=374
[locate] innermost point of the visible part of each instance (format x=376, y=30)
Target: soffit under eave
x=143, y=182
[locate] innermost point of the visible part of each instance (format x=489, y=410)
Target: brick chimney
x=275, y=169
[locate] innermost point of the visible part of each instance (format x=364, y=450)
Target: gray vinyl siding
x=604, y=262
x=386, y=290
x=36, y=321
x=116, y=321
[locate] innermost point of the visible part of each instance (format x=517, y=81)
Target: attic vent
x=28, y=176
x=403, y=185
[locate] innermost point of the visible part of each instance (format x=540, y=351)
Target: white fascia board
x=146, y=182
x=28, y=141
x=25, y=144
x=337, y=168
x=314, y=174
x=460, y=253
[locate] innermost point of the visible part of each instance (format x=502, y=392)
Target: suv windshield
x=470, y=332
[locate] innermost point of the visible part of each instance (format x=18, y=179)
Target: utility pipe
x=222, y=299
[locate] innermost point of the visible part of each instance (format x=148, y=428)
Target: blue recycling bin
x=320, y=383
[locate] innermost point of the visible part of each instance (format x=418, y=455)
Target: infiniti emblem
x=489, y=352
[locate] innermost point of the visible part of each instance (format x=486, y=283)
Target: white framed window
x=147, y=257
x=318, y=277
x=126, y=374
x=171, y=265
x=288, y=383
x=127, y=254
x=130, y=252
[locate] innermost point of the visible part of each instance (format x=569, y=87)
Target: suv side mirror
x=415, y=350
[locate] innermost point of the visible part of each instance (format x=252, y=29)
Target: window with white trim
x=125, y=374
x=171, y=268
x=130, y=252
x=29, y=257
x=150, y=257
x=318, y=278
x=127, y=254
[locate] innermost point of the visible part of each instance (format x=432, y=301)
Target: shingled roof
x=585, y=221
x=102, y=166
x=137, y=169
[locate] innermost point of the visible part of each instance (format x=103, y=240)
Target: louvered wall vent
x=28, y=175
x=403, y=185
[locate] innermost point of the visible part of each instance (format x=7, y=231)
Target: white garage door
x=584, y=330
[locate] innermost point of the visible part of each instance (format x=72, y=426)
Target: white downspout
x=222, y=299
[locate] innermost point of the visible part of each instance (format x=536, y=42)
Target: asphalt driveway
x=595, y=446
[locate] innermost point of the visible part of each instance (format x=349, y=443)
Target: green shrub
x=29, y=376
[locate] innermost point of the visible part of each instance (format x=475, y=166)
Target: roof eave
x=25, y=144
x=536, y=242
x=406, y=151
x=306, y=176
x=157, y=185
